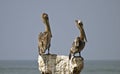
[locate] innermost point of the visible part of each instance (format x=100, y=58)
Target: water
x=19, y=67
x=31, y=67
x=101, y=67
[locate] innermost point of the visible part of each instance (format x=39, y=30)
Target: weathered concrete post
x=58, y=64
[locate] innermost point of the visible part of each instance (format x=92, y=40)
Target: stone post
x=59, y=64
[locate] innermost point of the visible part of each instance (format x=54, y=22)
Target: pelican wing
x=43, y=41
x=40, y=41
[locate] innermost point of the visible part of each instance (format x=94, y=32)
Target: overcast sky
x=20, y=24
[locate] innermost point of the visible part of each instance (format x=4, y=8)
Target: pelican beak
x=85, y=37
x=81, y=26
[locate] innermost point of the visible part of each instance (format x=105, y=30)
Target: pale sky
x=20, y=24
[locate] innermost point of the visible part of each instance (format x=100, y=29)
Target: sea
x=31, y=67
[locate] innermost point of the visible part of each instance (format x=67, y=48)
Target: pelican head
x=45, y=17
x=79, y=24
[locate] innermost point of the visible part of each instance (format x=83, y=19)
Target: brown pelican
x=79, y=42
x=44, y=39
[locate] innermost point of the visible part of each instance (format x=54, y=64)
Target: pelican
x=79, y=42
x=44, y=39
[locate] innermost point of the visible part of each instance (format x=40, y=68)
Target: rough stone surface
x=58, y=64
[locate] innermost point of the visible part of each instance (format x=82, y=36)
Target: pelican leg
x=80, y=54
x=73, y=55
x=39, y=51
x=49, y=49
